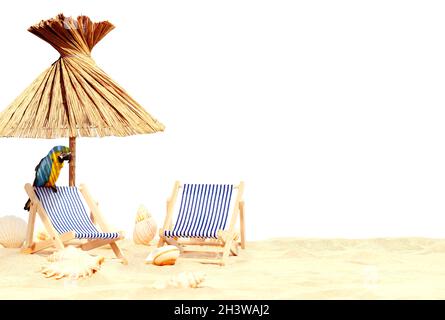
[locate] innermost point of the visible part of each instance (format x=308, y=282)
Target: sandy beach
x=408, y=268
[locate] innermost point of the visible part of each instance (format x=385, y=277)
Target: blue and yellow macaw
x=48, y=169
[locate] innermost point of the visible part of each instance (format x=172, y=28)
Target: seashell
x=73, y=263
x=142, y=214
x=42, y=235
x=145, y=227
x=182, y=280
x=163, y=256
x=12, y=231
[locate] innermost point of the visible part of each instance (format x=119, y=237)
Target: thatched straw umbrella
x=74, y=97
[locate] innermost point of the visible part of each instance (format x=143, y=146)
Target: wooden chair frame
x=58, y=240
x=228, y=240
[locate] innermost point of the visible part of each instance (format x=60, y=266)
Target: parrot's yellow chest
x=55, y=171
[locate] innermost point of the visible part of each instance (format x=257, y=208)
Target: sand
x=409, y=268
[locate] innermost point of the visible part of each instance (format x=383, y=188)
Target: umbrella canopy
x=74, y=97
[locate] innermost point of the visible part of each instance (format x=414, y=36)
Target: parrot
x=48, y=169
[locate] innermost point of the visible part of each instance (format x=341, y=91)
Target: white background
x=332, y=112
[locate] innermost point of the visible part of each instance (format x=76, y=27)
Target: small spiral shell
x=42, y=235
x=182, y=280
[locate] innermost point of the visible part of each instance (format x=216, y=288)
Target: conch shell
x=182, y=280
x=73, y=263
x=12, y=231
x=145, y=227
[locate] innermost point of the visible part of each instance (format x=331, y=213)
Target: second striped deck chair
x=65, y=216
x=206, y=220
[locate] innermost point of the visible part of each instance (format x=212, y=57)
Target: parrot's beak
x=65, y=157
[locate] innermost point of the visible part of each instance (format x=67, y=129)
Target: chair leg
x=57, y=242
x=93, y=244
x=242, y=225
x=30, y=228
x=118, y=253
x=161, y=242
x=38, y=246
x=234, y=248
x=226, y=252
x=174, y=242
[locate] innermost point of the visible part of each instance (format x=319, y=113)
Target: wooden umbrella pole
x=72, y=180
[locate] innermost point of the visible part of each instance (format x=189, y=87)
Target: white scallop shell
x=145, y=227
x=182, y=280
x=12, y=231
x=73, y=263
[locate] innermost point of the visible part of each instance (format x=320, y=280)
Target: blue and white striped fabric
x=66, y=211
x=203, y=211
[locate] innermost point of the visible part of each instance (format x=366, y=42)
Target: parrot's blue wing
x=40, y=163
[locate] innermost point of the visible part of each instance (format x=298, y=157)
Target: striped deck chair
x=203, y=223
x=66, y=218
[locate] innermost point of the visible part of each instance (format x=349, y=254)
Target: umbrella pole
x=72, y=180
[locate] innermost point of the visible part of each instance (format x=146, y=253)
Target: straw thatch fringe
x=74, y=97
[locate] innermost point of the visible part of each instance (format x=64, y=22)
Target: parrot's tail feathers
x=27, y=205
